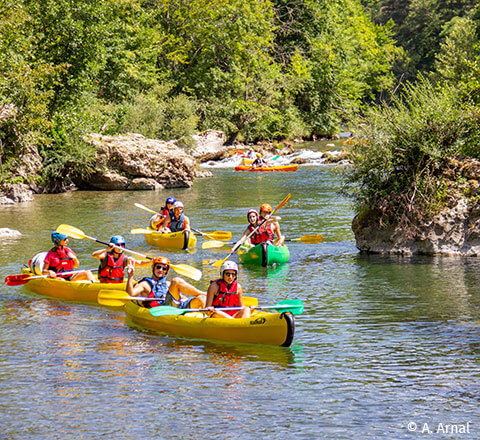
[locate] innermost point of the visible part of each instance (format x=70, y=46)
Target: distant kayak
x=263, y=254
x=277, y=168
x=172, y=240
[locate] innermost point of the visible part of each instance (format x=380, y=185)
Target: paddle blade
x=167, y=311
x=219, y=235
x=141, y=231
x=187, y=271
x=71, y=231
x=294, y=306
x=17, y=280
x=218, y=263
x=112, y=298
x=212, y=244
x=282, y=203
x=310, y=239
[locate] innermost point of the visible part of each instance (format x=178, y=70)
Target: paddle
x=182, y=269
x=24, y=278
x=218, y=263
x=295, y=306
x=217, y=235
x=308, y=239
x=116, y=298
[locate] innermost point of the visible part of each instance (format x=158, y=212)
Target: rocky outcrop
x=453, y=231
x=134, y=162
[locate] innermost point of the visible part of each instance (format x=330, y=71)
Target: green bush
x=403, y=147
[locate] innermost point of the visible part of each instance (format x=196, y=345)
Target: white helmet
x=228, y=265
x=178, y=204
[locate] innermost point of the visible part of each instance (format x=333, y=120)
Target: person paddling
x=266, y=232
x=226, y=292
x=165, y=212
x=113, y=261
x=177, y=220
x=62, y=259
x=157, y=286
x=259, y=162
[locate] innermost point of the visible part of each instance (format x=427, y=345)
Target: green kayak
x=264, y=254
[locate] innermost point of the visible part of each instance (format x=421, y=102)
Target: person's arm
x=240, y=295
x=139, y=289
x=100, y=254
x=186, y=223
x=46, y=270
x=211, y=292
x=165, y=222
x=280, y=238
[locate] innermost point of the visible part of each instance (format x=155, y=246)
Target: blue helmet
x=57, y=238
x=170, y=200
x=118, y=240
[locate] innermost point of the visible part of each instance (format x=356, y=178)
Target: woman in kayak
x=113, y=261
x=272, y=222
x=168, y=294
x=157, y=219
x=62, y=259
x=226, y=292
x=177, y=220
x=266, y=232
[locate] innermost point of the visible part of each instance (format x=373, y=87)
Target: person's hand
x=52, y=274
x=130, y=269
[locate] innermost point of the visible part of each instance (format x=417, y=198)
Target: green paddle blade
x=167, y=311
x=294, y=306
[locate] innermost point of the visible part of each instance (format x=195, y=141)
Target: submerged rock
x=9, y=233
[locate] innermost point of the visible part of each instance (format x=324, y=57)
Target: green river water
x=387, y=348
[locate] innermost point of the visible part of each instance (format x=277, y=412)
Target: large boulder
x=134, y=162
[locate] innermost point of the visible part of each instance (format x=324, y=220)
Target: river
x=387, y=346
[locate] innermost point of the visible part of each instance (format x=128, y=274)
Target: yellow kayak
x=172, y=240
x=81, y=291
x=261, y=328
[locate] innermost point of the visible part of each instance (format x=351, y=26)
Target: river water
x=386, y=345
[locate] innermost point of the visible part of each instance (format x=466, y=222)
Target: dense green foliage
x=267, y=69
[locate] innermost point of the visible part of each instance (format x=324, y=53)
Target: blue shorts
x=180, y=304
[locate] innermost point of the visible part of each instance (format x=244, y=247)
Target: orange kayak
x=278, y=168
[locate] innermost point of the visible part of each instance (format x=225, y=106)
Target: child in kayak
x=62, y=259
x=177, y=221
x=169, y=294
x=157, y=219
x=113, y=261
x=266, y=232
x=226, y=292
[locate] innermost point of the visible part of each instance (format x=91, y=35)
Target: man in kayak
x=266, y=232
x=227, y=292
x=113, y=261
x=62, y=259
x=177, y=220
x=168, y=294
x=259, y=162
x=157, y=219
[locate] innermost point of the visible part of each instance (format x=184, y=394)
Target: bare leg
x=178, y=285
x=86, y=275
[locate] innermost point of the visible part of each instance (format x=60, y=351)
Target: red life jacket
x=58, y=260
x=262, y=235
x=112, y=272
x=226, y=296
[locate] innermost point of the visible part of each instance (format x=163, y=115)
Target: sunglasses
x=229, y=274
x=160, y=266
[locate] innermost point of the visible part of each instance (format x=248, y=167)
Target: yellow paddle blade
x=310, y=239
x=141, y=231
x=71, y=231
x=138, y=205
x=113, y=298
x=218, y=235
x=282, y=203
x=187, y=271
x=218, y=263
x=250, y=301
x=211, y=244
